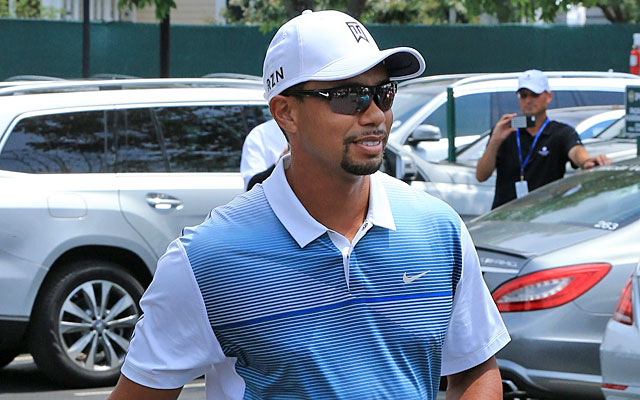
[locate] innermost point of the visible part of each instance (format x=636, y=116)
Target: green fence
x=55, y=48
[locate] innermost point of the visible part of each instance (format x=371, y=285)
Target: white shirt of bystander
x=262, y=148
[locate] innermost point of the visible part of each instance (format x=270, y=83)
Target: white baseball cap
x=328, y=46
x=533, y=80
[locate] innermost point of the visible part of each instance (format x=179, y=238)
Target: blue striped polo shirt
x=296, y=322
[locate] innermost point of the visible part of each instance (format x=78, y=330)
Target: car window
x=478, y=113
x=408, y=103
x=472, y=115
x=594, y=130
x=607, y=198
x=503, y=103
x=574, y=98
x=74, y=142
x=186, y=139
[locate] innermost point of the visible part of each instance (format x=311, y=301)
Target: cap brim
x=401, y=63
x=534, y=89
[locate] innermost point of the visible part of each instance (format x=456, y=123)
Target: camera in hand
x=523, y=122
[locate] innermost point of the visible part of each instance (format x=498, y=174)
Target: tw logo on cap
x=357, y=31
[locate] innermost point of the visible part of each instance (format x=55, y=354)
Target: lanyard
x=526, y=160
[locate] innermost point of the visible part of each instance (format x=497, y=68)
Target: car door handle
x=161, y=201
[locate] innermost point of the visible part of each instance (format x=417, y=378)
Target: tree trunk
x=165, y=46
x=505, y=12
x=614, y=14
x=86, y=39
x=355, y=8
x=296, y=7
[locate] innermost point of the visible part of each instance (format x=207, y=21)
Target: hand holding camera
x=523, y=121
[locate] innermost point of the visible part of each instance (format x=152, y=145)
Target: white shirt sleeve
x=261, y=149
x=173, y=342
x=476, y=331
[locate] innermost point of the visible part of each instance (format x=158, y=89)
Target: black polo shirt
x=546, y=164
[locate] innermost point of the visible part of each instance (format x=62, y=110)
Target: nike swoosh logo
x=409, y=279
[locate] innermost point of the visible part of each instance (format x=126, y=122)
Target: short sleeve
x=173, y=342
x=570, y=139
x=476, y=331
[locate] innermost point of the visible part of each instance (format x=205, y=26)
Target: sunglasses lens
x=385, y=95
x=350, y=103
x=352, y=100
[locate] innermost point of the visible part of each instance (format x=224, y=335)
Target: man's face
x=532, y=103
x=338, y=143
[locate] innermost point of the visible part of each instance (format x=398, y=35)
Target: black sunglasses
x=350, y=100
x=524, y=95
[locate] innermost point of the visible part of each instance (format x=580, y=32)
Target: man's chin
x=362, y=168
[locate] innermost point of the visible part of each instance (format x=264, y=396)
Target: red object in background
x=634, y=61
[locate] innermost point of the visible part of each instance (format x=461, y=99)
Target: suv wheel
x=83, y=321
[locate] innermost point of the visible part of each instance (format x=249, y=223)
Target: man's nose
x=372, y=115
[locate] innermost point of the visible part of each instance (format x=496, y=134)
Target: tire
x=83, y=321
x=6, y=356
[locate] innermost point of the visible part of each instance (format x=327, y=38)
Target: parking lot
x=21, y=380
x=585, y=225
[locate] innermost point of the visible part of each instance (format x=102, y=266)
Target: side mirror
x=424, y=133
x=398, y=165
x=406, y=168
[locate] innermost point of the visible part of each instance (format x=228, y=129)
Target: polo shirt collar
x=300, y=224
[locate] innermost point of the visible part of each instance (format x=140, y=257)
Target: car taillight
x=548, y=288
x=614, y=386
x=624, y=312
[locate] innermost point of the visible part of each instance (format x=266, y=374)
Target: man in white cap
x=330, y=280
x=529, y=157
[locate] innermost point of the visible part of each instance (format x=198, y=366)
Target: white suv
x=480, y=100
x=97, y=178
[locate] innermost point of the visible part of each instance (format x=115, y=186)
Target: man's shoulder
x=238, y=217
x=561, y=127
x=406, y=198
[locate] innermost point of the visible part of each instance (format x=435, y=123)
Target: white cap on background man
x=534, y=80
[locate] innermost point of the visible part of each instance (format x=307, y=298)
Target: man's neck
x=339, y=204
x=540, y=118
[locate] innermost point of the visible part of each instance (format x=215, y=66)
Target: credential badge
x=357, y=31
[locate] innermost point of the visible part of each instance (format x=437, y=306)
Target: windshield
x=407, y=103
x=605, y=198
x=615, y=130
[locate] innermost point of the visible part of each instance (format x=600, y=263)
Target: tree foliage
x=28, y=9
x=162, y=6
x=270, y=14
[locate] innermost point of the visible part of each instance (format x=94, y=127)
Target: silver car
x=620, y=349
x=97, y=178
x=555, y=261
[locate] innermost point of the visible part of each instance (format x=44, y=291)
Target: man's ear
x=283, y=111
x=549, y=97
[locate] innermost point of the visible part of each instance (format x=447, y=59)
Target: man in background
x=529, y=157
x=261, y=150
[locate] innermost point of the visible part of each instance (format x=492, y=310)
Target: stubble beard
x=366, y=167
